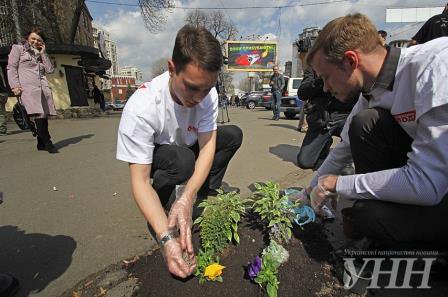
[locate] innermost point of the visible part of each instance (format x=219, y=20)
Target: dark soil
x=307, y=273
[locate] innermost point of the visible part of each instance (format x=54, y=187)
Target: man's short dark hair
x=382, y=33
x=197, y=45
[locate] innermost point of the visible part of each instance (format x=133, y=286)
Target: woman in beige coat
x=28, y=64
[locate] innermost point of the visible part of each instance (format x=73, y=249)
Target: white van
x=291, y=86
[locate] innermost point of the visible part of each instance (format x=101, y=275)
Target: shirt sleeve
x=341, y=155
x=422, y=181
x=207, y=122
x=135, y=143
x=13, y=66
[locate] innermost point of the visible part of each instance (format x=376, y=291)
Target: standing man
x=396, y=135
x=277, y=84
x=435, y=27
x=168, y=132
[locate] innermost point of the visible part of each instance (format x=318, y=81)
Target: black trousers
x=173, y=165
x=43, y=135
x=378, y=143
x=316, y=145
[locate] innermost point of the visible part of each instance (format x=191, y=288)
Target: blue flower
x=254, y=268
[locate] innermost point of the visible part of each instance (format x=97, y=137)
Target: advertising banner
x=251, y=55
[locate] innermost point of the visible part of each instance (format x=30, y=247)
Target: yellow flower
x=213, y=271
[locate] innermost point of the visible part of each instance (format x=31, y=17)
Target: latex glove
x=324, y=191
x=177, y=263
x=17, y=91
x=180, y=216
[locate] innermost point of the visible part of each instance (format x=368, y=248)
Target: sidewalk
x=51, y=239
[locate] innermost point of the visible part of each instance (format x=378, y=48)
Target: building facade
x=288, y=68
x=122, y=87
x=108, y=49
x=132, y=71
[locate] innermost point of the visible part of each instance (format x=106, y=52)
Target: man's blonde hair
x=351, y=32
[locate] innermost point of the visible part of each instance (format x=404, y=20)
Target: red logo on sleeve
x=404, y=117
x=192, y=128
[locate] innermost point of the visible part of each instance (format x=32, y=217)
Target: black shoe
x=277, y=118
x=49, y=147
x=13, y=287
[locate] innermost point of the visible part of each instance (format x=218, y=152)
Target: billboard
x=251, y=55
x=411, y=15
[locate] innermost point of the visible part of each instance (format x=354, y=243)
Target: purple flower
x=254, y=268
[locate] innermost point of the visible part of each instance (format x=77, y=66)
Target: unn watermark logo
x=363, y=269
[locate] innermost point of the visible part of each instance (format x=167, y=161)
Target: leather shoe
x=49, y=147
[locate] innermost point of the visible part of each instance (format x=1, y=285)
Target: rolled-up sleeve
x=135, y=143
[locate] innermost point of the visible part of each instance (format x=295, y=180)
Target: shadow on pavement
x=34, y=259
x=286, y=152
x=72, y=140
x=292, y=127
x=18, y=132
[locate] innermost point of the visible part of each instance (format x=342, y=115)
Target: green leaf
x=236, y=237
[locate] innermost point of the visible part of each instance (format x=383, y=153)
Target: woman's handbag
x=21, y=117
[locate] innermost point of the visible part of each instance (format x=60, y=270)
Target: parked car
x=116, y=105
x=291, y=106
x=252, y=99
x=291, y=86
x=266, y=100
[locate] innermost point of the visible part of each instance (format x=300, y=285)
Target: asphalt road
x=69, y=215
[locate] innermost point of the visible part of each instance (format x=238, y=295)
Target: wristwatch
x=167, y=237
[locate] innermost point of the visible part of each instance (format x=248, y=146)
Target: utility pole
x=15, y=16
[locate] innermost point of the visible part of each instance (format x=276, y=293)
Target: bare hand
x=175, y=261
x=17, y=91
x=42, y=49
x=181, y=216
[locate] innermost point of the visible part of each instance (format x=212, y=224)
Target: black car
x=254, y=99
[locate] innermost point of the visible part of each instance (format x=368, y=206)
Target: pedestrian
x=383, y=37
x=277, y=83
x=168, y=132
x=325, y=116
x=3, y=100
x=435, y=27
x=237, y=101
x=28, y=64
x=396, y=135
x=98, y=97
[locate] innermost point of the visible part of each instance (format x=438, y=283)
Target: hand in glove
x=324, y=191
x=175, y=260
x=180, y=216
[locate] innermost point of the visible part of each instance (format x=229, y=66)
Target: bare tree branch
x=159, y=66
x=216, y=22
x=154, y=13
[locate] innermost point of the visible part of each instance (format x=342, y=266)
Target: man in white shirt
x=396, y=135
x=168, y=132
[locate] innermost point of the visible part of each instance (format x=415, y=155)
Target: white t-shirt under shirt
x=419, y=103
x=151, y=116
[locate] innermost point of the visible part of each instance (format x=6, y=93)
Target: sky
x=136, y=46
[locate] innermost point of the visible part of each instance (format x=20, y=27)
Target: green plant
x=275, y=209
x=204, y=259
x=267, y=277
x=219, y=226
